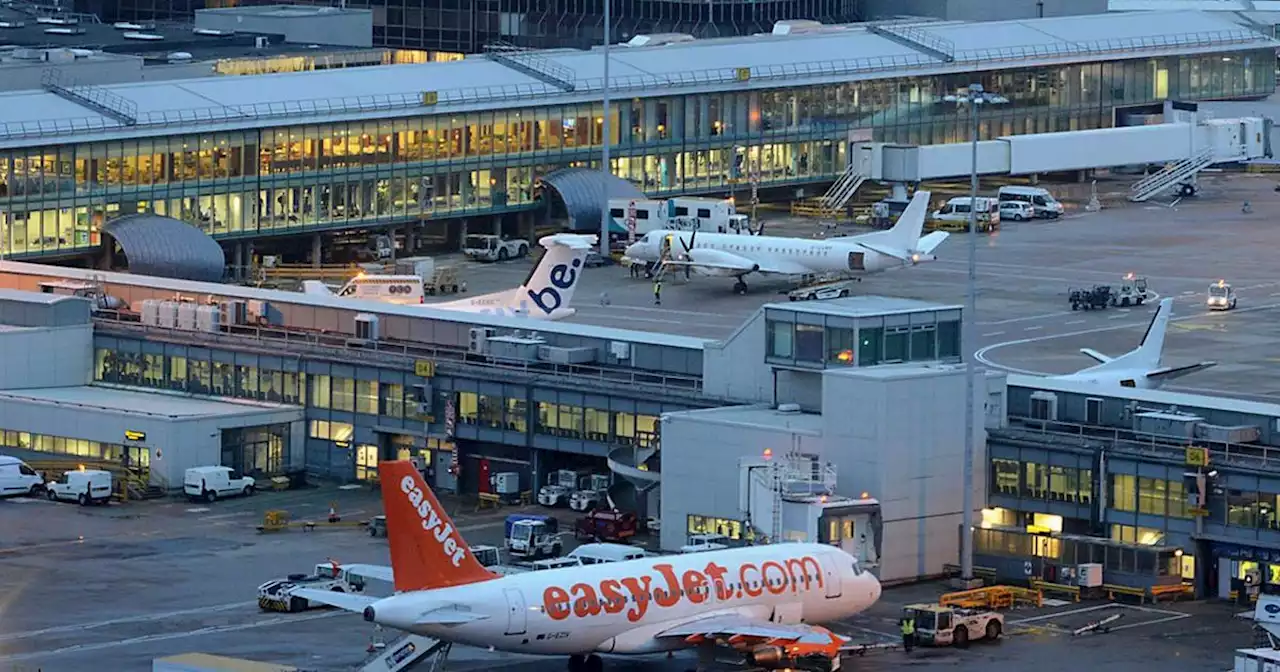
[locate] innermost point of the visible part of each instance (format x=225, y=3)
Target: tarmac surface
x=1025, y=272
x=112, y=588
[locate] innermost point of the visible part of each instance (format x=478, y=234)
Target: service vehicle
x=1132, y=291
x=586, y=500
x=1097, y=297
x=705, y=542
x=954, y=214
x=532, y=537
x=1016, y=211
x=828, y=290
x=277, y=595
x=210, y=483
x=1221, y=296
x=594, y=554
x=490, y=557
x=488, y=247
x=16, y=478
x=606, y=525
x=554, y=495
x=1044, y=204
x=83, y=486
x=937, y=625
x=554, y=563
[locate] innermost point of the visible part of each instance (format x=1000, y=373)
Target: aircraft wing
x=728, y=263
x=1095, y=355
x=739, y=630
x=343, y=601
x=1170, y=372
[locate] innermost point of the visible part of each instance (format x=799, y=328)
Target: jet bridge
x=1185, y=147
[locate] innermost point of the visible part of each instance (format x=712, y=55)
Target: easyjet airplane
x=758, y=600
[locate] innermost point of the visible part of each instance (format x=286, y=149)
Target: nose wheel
x=740, y=287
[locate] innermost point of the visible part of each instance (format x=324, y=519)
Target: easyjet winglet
x=426, y=549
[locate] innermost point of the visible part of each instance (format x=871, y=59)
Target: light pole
x=605, y=219
x=975, y=97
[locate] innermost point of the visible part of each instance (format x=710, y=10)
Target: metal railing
x=1093, y=437
x=532, y=64
x=96, y=98
x=916, y=37
x=403, y=355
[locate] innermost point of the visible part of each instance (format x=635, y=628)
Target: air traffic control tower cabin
x=432, y=151
x=868, y=387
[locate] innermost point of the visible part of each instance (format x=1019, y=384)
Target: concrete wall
x=46, y=357
x=980, y=10
x=700, y=465
x=734, y=368
x=897, y=433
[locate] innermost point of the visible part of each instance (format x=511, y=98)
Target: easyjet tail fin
x=427, y=551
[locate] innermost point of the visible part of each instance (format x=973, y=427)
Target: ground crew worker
x=908, y=624
x=657, y=292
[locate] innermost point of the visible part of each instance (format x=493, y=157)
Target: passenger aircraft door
x=857, y=261
x=516, y=611
x=832, y=578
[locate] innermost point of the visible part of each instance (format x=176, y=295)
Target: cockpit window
x=857, y=569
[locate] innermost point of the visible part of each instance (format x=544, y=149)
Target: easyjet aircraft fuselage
x=623, y=607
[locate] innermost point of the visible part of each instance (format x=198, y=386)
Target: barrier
x=987, y=574
x=1113, y=590
x=1173, y=592
x=992, y=597
x=1056, y=589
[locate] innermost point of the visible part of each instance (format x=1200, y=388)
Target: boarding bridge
x=1185, y=147
x=405, y=653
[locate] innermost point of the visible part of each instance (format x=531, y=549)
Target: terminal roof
x=133, y=402
x=861, y=306
x=840, y=54
x=760, y=416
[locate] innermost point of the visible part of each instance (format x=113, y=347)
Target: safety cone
x=333, y=514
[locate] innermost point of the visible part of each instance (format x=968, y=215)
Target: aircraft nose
x=874, y=588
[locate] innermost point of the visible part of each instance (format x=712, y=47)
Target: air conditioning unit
x=367, y=327
x=1044, y=406
x=478, y=343
x=235, y=311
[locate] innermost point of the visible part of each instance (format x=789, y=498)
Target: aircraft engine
x=769, y=657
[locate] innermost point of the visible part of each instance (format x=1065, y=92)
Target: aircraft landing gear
x=591, y=663
x=740, y=287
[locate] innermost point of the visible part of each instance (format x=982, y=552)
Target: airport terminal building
x=486, y=141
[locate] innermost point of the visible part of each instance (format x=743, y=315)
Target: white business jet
x=758, y=600
x=1140, y=367
x=735, y=256
x=544, y=295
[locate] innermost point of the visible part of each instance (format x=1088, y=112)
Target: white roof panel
x=143, y=403
x=33, y=106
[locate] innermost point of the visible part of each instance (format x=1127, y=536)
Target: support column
x=411, y=240
x=528, y=228
x=395, y=235
x=497, y=225
x=237, y=256
x=316, y=252
x=462, y=234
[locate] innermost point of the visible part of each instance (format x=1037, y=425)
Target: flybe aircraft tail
x=546, y=293
x=427, y=551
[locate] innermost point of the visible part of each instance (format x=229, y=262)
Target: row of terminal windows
x=1152, y=496
x=561, y=420
x=134, y=456
x=1041, y=481
x=839, y=346
x=199, y=376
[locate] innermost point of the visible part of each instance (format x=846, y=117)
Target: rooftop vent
x=789, y=409
x=179, y=57
x=142, y=37
x=12, y=25
x=213, y=32
x=81, y=53
x=126, y=25
x=797, y=27
x=658, y=39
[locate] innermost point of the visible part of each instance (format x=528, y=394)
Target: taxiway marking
x=123, y=620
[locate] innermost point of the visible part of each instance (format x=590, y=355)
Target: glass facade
x=54, y=199
x=811, y=341
x=556, y=419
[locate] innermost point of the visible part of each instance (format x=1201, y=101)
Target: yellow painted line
x=1192, y=326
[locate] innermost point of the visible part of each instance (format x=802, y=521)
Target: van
x=16, y=478
x=210, y=483
x=594, y=554
x=1045, y=205
x=84, y=486
x=956, y=211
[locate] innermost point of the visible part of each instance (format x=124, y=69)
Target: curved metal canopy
x=168, y=248
x=582, y=190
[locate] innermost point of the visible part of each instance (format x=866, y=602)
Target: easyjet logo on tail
x=441, y=529
x=635, y=595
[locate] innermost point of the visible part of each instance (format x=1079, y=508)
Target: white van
x=594, y=554
x=16, y=478
x=210, y=483
x=1045, y=205
x=84, y=486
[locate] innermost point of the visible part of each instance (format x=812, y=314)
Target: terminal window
x=712, y=525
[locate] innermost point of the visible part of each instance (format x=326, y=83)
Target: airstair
x=406, y=653
x=1172, y=175
x=844, y=188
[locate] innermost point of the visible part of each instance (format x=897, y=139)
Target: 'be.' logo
x=562, y=277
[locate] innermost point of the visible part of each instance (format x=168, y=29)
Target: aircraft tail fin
x=316, y=288
x=427, y=551
x=1150, y=350
x=905, y=233
x=546, y=293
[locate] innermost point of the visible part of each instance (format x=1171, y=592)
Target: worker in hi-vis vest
x=908, y=625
